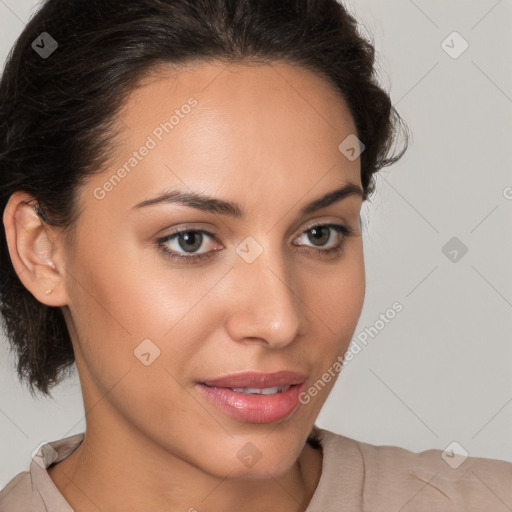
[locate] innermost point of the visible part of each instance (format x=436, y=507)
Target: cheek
x=337, y=302
x=337, y=298
x=337, y=305
x=140, y=330
x=128, y=308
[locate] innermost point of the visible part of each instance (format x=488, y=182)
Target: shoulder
x=16, y=496
x=399, y=479
x=33, y=490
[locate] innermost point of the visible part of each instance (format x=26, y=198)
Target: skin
x=265, y=136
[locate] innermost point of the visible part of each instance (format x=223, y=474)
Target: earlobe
x=31, y=250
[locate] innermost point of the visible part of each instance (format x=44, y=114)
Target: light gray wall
x=439, y=371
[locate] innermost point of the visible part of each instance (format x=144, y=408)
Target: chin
x=255, y=457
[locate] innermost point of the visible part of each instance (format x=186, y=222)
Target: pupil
x=321, y=239
x=190, y=238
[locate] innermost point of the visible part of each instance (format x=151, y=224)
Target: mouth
x=256, y=397
x=262, y=391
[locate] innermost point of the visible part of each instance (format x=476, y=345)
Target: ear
x=35, y=257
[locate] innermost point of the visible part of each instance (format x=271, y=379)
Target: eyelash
x=344, y=231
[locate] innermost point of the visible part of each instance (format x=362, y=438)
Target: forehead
x=241, y=88
x=218, y=128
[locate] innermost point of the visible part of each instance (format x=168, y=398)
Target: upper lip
x=257, y=380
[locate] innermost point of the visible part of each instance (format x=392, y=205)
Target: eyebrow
x=232, y=209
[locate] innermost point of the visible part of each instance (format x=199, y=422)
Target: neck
x=120, y=469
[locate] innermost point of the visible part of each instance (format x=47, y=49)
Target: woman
x=181, y=192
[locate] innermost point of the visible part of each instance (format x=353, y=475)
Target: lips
x=255, y=397
x=257, y=380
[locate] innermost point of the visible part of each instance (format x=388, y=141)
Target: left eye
x=190, y=240
x=321, y=234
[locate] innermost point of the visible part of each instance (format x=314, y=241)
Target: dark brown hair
x=58, y=112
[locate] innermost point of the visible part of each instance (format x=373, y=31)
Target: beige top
x=356, y=476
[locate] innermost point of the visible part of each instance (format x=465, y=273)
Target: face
x=256, y=286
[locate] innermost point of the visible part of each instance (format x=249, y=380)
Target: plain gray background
x=439, y=371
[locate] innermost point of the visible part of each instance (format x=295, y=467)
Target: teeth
x=263, y=391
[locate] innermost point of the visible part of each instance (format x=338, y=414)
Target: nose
x=265, y=307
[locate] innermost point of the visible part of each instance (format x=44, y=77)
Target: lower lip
x=255, y=408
